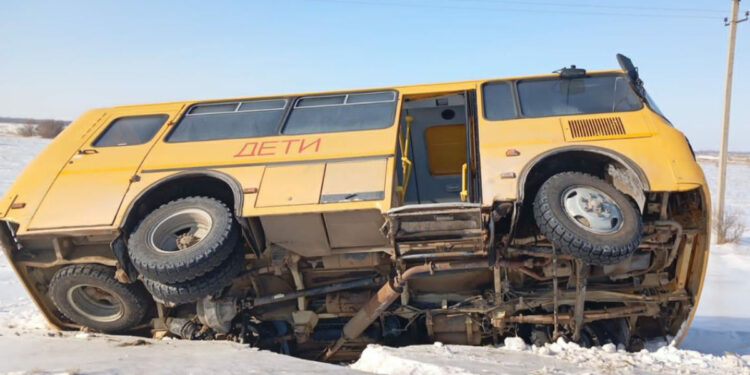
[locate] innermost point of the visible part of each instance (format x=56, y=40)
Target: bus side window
x=214, y=121
x=344, y=112
x=498, y=101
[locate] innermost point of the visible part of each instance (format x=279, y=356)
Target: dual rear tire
x=187, y=249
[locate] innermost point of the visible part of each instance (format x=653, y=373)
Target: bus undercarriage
x=455, y=275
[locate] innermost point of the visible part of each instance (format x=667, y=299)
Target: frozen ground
x=9, y=128
x=723, y=325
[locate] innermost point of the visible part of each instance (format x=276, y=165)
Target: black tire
x=89, y=295
x=570, y=237
x=193, y=290
x=180, y=265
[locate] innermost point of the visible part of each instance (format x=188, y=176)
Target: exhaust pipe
x=387, y=294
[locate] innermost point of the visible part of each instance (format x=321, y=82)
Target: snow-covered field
x=722, y=325
x=8, y=128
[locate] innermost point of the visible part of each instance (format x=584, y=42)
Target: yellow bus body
x=74, y=198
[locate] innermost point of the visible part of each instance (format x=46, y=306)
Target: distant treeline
x=29, y=127
x=20, y=120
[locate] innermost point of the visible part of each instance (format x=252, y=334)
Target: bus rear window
x=129, y=131
x=595, y=94
x=345, y=112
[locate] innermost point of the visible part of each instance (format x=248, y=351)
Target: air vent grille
x=598, y=127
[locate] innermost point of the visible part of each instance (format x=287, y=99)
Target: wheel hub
x=95, y=303
x=592, y=209
x=180, y=230
x=186, y=240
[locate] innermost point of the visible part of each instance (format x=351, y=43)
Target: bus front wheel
x=588, y=218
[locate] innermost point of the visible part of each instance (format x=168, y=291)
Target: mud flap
x=120, y=250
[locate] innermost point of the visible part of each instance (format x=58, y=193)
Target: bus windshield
x=594, y=94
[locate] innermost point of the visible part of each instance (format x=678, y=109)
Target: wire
x=516, y=10
x=582, y=5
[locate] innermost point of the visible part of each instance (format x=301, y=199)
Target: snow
x=560, y=357
x=15, y=153
x=723, y=321
x=27, y=346
x=65, y=353
x=8, y=128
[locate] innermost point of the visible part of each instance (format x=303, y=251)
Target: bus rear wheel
x=588, y=218
x=89, y=295
x=183, y=240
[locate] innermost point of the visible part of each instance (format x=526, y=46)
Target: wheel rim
x=95, y=303
x=592, y=209
x=180, y=230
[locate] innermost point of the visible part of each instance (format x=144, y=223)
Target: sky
x=58, y=59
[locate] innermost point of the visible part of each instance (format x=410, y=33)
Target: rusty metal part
x=534, y=275
x=185, y=328
x=459, y=329
x=437, y=255
x=122, y=276
x=281, y=297
x=582, y=275
x=555, y=291
x=672, y=255
x=663, y=214
x=677, y=239
x=387, y=294
x=304, y=324
x=186, y=240
x=356, y=260
x=298, y=282
x=346, y=302
x=588, y=316
x=217, y=313
x=538, y=251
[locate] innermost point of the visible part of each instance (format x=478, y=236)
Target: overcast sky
x=59, y=58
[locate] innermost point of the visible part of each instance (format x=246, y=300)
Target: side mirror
x=635, y=80
x=627, y=65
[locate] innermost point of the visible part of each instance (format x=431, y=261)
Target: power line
x=516, y=10
x=597, y=6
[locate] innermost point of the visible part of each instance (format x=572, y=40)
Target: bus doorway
x=437, y=136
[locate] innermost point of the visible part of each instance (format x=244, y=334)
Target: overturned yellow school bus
x=560, y=204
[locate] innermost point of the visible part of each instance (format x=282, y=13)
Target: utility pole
x=732, y=23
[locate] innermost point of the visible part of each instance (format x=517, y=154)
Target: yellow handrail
x=406, y=164
x=464, y=191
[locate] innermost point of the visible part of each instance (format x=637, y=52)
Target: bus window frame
x=114, y=120
x=287, y=111
x=239, y=102
x=396, y=100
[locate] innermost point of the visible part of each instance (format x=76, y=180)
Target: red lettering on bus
x=244, y=147
x=302, y=146
x=269, y=148
x=289, y=145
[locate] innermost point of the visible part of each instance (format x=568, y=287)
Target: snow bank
x=515, y=357
x=70, y=353
x=722, y=323
x=7, y=128
x=17, y=311
x=15, y=153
